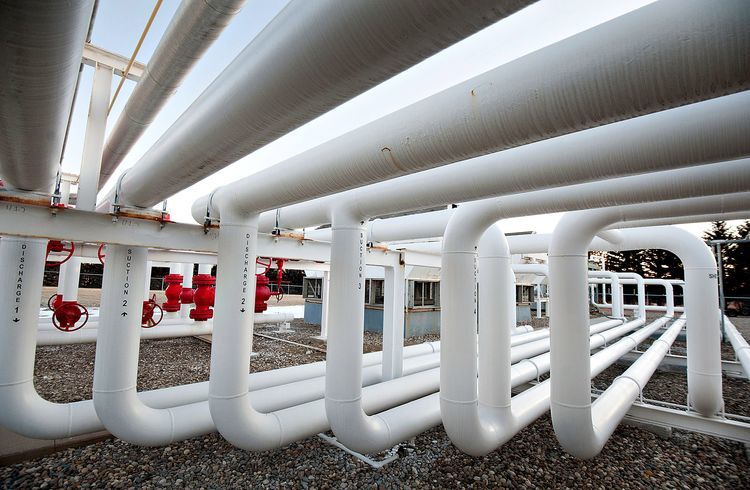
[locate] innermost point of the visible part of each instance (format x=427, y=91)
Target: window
x=426, y=293
x=312, y=288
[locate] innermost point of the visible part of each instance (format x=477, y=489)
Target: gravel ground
x=633, y=458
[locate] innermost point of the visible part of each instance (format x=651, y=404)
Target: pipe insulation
x=41, y=44
x=704, y=132
x=310, y=58
x=666, y=54
x=194, y=27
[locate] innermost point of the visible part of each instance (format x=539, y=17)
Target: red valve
x=262, y=292
x=203, y=297
x=173, y=292
x=186, y=296
x=100, y=253
x=54, y=301
x=147, y=315
x=58, y=247
x=68, y=314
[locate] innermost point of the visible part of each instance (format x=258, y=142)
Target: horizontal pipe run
x=739, y=344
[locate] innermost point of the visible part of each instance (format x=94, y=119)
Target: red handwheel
x=67, y=316
x=58, y=247
x=100, y=253
x=149, y=309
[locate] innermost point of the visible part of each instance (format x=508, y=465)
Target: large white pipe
x=192, y=30
x=568, y=255
x=24, y=411
x=476, y=406
x=41, y=44
x=583, y=430
x=311, y=57
x=705, y=132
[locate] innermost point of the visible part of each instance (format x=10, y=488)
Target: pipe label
x=245, y=274
x=360, y=271
x=126, y=284
x=19, y=283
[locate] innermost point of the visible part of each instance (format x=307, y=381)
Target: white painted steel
x=40, y=51
x=93, y=143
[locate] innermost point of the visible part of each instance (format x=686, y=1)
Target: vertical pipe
x=203, y=269
x=324, y=298
x=393, y=322
x=187, y=282
x=93, y=143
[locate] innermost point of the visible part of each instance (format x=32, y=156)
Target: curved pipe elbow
x=242, y=426
x=24, y=412
x=126, y=417
x=704, y=392
x=465, y=429
x=575, y=431
x=366, y=434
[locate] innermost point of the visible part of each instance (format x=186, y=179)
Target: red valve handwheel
x=147, y=317
x=100, y=253
x=58, y=247
x=68, y=314
x=54, y=301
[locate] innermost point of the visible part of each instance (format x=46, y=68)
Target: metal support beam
x=94, y=54
x=393, y=322
x=93, y=143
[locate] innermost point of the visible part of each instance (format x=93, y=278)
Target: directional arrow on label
x=242, y=310
x=16, y=320
x=124, y=313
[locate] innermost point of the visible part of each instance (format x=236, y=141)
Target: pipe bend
x=243, y=426
x=467, y=225
x=23, y=411
x=358, y=431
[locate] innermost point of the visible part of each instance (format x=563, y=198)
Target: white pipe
x=674, y=138
x=187, y=282
x=167, y=329
x=21, y=407
x=669, y=308
x=331, y=52
x=116, y=370
x=353, y=427
x=739, y=344
x=583, y=430
x=479, y=416
x=25, y=412
x=40, y=51
x=192, y=30
x=617, y=310
x=568, y=257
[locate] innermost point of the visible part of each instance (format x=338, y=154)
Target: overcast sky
x=120, y=22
